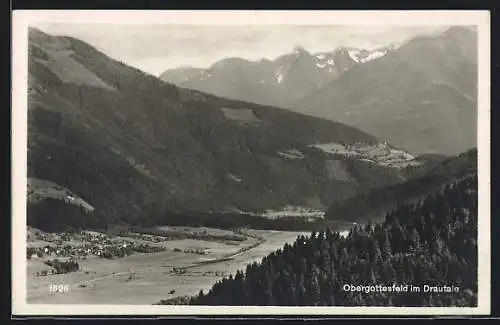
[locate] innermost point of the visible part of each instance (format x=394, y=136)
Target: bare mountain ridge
x=271, y=82
x=420, y=95
x=135, y=147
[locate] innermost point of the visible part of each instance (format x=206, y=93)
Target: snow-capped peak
x=205, y=75
x=279, y=77
x=373, y=55
x=281, y=72
x=362, y=56
x=354, y=54
x=323, y=60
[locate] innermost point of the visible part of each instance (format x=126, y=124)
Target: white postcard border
x=23, y=18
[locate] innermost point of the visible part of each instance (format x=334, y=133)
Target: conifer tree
x=418, y=243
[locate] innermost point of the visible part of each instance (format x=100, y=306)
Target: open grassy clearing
x=147, y=278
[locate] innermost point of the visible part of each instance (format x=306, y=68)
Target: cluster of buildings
x=88, y=244
x=198, y=251
x=146, y=237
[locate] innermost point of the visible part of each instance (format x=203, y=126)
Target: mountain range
x=131, y=147
x=420, y=95
x=279, y=82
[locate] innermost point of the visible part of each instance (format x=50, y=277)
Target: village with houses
x=63, y=251
x=69, y=248
x=165, y=262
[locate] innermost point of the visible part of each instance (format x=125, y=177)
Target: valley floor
x=148, y=278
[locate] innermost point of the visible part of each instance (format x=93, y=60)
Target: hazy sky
x=155, y=48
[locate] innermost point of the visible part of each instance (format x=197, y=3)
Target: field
x=147, y=278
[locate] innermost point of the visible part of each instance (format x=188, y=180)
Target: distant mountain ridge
x=271, y=82
x=134, y=147
x=420, y=95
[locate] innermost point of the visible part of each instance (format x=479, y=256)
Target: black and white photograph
x=251, y=162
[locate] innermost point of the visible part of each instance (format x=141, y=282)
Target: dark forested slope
x=374, y=203
x=420, y=95
x=433, y=242
x=134, y=147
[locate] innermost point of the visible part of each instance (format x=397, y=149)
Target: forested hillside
x=433, y=242
x=136, y=148
x=419, y=95
x=141, y=151
x=374, y=203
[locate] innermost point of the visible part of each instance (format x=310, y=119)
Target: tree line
x=432, y=242
x=61, y=267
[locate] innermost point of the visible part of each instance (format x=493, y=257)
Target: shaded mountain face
x=375, y=203
x=134, y=147
x=279, y=82
x=421, y=97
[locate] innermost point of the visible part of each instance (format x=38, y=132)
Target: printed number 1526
x=59, y=288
